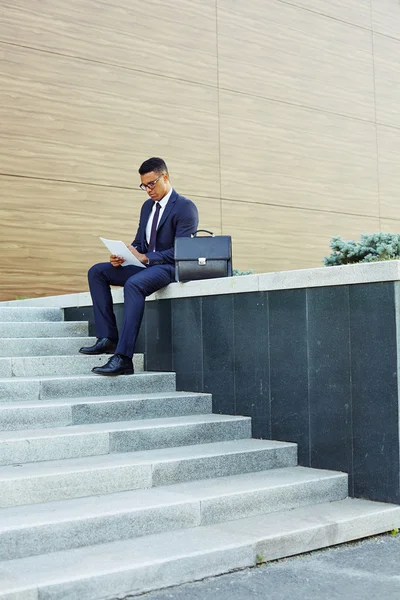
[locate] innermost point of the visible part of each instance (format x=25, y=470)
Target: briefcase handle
x=202, y=231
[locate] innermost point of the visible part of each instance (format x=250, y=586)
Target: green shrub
x=371, y=248
x=236, y=272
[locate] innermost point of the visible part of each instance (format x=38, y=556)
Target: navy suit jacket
x=179, y=219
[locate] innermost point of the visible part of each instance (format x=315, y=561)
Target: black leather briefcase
x=203, y=257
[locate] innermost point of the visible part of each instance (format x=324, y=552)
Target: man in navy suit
x=164, y=216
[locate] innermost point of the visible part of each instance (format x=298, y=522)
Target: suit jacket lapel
x=167, y=209
x=146, y=214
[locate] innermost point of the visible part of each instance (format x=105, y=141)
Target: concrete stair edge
x=47, y=387
x=211, y=529
x=43, y=329
x=57, y=365
x=67, y=524
x=30, y=313
x=33, y=483
x=63, y=412
x=161, y=560
x=43, y=346
x=77, y=441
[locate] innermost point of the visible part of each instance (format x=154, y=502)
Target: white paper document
x=119, y=249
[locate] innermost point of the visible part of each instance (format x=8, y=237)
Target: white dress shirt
x=163, y=204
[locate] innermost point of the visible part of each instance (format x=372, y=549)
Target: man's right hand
x=116, y=261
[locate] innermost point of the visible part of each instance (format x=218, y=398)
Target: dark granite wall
x=314, y=366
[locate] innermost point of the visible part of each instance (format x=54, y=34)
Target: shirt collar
x=163, y=201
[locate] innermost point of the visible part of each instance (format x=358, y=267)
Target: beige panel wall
x=390, y=225
x=279, y=119
x=309, y=125
x=50, y=230
x=386, y=17
x=285, y=53
x=356, y=12
x=389, y=171
x=282, y=154
x=290, y=237
x=172, y=38
x=93, y=124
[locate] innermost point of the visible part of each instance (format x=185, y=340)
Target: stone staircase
x=111, y=487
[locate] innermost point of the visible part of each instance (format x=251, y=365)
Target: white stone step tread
x=16, y=389
x=119, y=436
x=102, y=399
x=45, y=481
x=57, y=365
x=44, y=329
x=92, y=507
x=54, y=526
x=157, y=561
x=40, y=346
x=61, y=412
x=29, y=313
x=146, y=457
x=139, y=424
x=81, y=377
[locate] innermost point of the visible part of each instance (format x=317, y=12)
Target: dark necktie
x=152, y=242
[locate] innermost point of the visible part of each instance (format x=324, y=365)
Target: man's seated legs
x=137, y=286
x=101, y=276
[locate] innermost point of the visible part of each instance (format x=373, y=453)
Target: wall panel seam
x=296, y=105
x=316, y=12
x=110, y=64
x=68, y=181
x=89, y=183
x=376, y=126
x=351, y=471
x=267, y=294
x=218, y=113
x=193, y=82
x=386, y=35
x=301, y=208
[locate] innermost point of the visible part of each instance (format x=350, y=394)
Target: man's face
x=161, y=184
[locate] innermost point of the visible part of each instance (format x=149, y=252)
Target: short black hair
x=153, y=164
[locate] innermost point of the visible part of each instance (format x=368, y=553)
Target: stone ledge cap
x=263, y=282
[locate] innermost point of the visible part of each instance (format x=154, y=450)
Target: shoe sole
x=126, y=372
x=95, y=353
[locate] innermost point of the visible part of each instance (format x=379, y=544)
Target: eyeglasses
x=151, y=185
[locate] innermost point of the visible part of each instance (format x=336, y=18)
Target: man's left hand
x=141, y=257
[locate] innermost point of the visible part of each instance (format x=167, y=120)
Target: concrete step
x=57, y=346
x=124, y=436
x=34, y=483
x=44, y=330
x=55, y=526
x=30, y=313
x=132, y=567
x=78, y=411
x=32, y=366
x=17, y=389
x=43, y=346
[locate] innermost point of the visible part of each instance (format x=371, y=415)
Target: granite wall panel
x=328, y=338
x=187, y=343
x=218, y=355
x=317, y=366
x=158, y=336
x=251, y=361
x=289, y=375
x=374, y=374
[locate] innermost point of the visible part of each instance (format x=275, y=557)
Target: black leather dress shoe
x=102, y=346
x=117, y=365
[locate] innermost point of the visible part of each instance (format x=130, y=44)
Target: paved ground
x=367, y=570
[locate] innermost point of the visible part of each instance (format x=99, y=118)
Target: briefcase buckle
x=202, y=261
